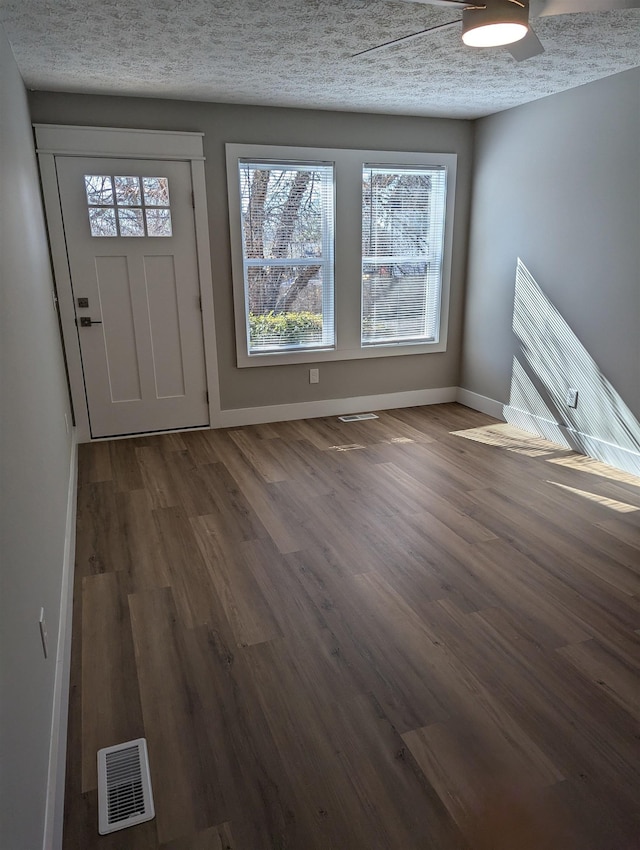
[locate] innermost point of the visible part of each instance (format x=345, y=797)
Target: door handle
x=86, y=322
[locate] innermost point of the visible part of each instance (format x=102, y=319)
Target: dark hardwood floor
x=420, y=631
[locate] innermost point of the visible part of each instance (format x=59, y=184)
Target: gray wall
x=557, y=183
x=35, y=452
x=226, y=123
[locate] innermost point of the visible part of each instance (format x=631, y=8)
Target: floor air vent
x=124, y=786
x=358, y=417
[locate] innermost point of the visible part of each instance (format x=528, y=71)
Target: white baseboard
x=333, y=407
x=621, y=458
x=480, y=402
x=54, y=810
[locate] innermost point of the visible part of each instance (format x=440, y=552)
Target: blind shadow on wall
x=550, y=360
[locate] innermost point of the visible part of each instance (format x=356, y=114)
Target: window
x=402, y=242
x=362, y=271
x=287, y=252
x=128, y=206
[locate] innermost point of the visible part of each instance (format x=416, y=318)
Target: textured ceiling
x=297, y=53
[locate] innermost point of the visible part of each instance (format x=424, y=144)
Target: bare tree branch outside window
x=282, y=226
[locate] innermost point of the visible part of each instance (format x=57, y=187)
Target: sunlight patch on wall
x=551, y=360
x=526, y=400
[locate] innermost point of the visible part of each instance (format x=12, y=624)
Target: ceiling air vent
x=124, y=786
x=358, y=417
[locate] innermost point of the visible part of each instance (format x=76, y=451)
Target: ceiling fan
x=496, y=23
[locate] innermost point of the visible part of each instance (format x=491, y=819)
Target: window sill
x=322, y=355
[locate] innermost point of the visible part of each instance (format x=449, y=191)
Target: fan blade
x=568, y=7
x=404, y=38
x=526, y=48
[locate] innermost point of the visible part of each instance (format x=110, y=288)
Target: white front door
x=130, y=236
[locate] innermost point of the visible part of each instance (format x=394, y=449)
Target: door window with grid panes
x=123, y=205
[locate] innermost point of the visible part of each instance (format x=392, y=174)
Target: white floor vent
x=358, y=417
x=124, y=786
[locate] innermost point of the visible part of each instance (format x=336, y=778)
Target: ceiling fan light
x=499, y=22
x=494, y=35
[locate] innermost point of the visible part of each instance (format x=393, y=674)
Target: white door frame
x=55, y=140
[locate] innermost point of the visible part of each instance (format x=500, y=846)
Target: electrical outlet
x=314, y=376
x=43, y=632
x=572, y=398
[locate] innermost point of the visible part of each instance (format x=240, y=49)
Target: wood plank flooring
x=420, y=631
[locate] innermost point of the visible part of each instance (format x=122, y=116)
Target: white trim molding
x=334, y=407
x=67, y=140
x=347, y=167
x=621, y=458
x=54, y=810
x=480, y=402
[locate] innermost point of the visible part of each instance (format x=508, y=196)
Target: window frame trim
x=434, y=225
x=326, y=263
x=348, y=165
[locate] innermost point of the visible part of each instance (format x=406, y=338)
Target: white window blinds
x=403, y=218
x=287, y=211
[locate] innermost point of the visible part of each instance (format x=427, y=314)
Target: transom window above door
x=120, y=205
